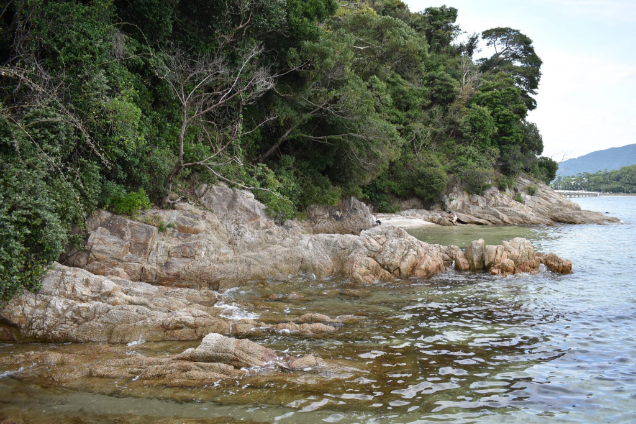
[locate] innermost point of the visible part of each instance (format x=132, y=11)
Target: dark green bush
x=34, y=228
x=476, y=180
x=519, y=198
x=505, y=182
x=531, y=189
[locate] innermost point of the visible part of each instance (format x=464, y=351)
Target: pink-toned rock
x=226, y=350
x=503, y=268
x=461, y=263
x=304, y=362
x=74, y=305
x=556, y=264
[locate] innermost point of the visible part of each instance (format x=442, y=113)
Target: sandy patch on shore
x=403, y=221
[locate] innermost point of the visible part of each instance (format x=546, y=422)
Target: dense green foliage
x=119, y=104
x=622, y=180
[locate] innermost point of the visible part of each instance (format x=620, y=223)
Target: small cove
x=455, y=348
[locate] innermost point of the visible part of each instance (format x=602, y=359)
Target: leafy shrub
x=161, y=227
x=519, y=198
x=130, y=204
x=531, y=189
x=36, y=216
x=505, y=182
x=476, y=180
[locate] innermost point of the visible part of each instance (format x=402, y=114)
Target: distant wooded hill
x=610, y=159
x=618, y=181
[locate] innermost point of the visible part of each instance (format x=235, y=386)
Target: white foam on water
x=137, y=342
x=235, y=312
x=9, y=373
x=333, y=418
x=282, y=417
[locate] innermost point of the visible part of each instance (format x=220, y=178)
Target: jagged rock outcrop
x=77, y=306
x=495, y=207
x=348, y=217
x=556, y=264
x=511, y=257
x=234, y=241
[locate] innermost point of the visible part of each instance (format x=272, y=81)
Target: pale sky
x=587, y=95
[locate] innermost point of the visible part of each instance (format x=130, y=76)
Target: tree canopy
x=120, y=104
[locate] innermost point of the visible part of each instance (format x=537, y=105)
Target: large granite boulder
x=234, y=241
x=350, y=216
x=77, y=306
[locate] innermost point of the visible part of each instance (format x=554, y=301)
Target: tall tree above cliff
x=514, y=54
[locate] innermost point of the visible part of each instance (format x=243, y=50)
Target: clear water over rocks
x=453, y=348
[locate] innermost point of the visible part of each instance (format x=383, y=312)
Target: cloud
x=585, y=104
x=614, y=10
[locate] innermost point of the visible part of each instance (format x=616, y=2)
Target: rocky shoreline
x=159, y=278
x=495, y=207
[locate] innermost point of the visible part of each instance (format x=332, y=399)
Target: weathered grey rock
x=240, y=243
x=350, y=216
x=226, y=350
x=75, y=305
x=475, y=255
x=495, y=207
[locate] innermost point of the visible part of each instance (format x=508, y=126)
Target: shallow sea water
x=455, y=348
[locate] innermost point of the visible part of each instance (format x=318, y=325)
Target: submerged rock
x=97, y=366
x=226, y=350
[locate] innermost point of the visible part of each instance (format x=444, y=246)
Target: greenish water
x=456, y=348
x=462, y=235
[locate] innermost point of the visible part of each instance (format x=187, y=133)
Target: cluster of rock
x=495, y=207
x=233, y=241
x=216, y=358
x=157, y=277
x=75, y=305
x=511, y=257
